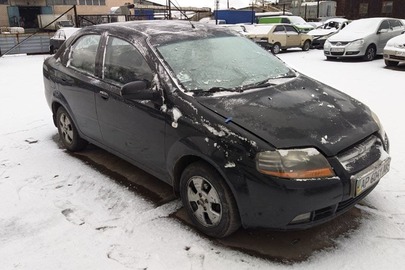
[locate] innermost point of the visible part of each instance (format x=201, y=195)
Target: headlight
x=381, y=131
x=294, y=163
x=327, y=44
x=358, y=42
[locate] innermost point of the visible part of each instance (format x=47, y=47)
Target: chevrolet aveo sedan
x=242, y=138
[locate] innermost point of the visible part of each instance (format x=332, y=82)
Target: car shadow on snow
x=400, y=67
x=287, y=247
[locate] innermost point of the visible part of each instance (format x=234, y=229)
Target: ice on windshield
x=225, y=62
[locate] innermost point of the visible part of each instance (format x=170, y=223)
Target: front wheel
x=68, y=131
x=208, y=200
x=307, y=45
x=370, y=53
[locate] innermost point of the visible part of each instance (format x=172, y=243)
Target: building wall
x=58, y=9
x=356, y=9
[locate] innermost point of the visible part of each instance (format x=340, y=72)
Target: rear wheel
x=68, y=132
x=276, y=48
x=307, y=45
x=390, y=63
x=370, y=53
x=208, y=200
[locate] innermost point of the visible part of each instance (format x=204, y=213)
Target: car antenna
x=183, y=13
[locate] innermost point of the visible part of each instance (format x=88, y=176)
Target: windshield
x=224, y=63
x=361, y=26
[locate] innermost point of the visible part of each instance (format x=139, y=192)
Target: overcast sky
x=207, y=3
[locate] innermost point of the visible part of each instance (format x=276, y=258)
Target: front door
x=293, y=37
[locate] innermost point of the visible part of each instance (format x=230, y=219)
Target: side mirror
x=382, y=31
x=138, y=90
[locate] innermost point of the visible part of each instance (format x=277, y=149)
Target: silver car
x=363, y=38
x=394, y=51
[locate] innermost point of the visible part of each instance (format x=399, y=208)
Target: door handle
x=104, y=95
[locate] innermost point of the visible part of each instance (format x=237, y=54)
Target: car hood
x=348, y=36
x=398, y=40
x=299, y=113
x=321, y=32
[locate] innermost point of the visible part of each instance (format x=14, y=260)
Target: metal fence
x=36, y=44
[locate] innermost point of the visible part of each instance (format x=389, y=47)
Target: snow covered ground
x=58, y=213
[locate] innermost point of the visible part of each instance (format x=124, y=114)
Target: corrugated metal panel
x=38, y=43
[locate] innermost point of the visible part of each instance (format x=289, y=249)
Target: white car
x=363, y=38
x=394, y=51
x=326, y=30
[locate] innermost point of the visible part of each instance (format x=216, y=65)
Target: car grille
x=361, y=155
x=339, y=43
x=396, y=57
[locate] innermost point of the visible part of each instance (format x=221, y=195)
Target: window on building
x=92, y=2
x=3, y=2
x=387, y=7
x=60, y=2
x=363, y=9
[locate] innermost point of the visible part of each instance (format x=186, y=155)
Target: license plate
x=400, y=53
x=337, y=49
x=372, y=176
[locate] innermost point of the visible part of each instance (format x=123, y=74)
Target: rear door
x=76, y=84
x=134, y=128
x=279, y=36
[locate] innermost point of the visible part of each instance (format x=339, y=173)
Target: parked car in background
x=243, y=139
x=326, y=30
x=363, y=38
x=64, y=23
x=297, y=21
x=59, y=37
x=394, y=51
x=279, y=37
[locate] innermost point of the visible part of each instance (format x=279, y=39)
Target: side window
x=279, y=29
x=291, y=30
x=123, y=63
x=285, y=20
x=83, y=54
x=396, y=25
x=384, y=25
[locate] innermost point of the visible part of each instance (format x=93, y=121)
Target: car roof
x=162, y=31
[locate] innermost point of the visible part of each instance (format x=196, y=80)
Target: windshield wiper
x=268, y=82
x=215, y=89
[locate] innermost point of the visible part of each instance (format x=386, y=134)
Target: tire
x=208, y=200
x=276, y=48
x=390, y=63
x=306, y=46
x=68, y=132
x=370, y=53
x=51, y=50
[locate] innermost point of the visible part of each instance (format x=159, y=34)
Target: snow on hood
x=321, y=32
x=398, y=40
x=347, y=36
x=300, y=113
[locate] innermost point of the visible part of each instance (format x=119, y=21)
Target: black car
x=242, y=138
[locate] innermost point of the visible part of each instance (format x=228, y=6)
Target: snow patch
x=230, y=164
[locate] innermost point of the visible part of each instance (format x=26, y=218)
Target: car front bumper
x=344, y=51
x=395, y=54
